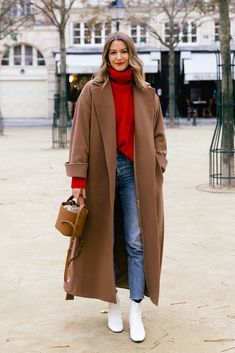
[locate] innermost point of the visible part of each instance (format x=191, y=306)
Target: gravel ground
x=196, y=313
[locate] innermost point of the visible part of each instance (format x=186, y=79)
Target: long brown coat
x=99, y=269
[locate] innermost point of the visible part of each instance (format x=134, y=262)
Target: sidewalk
x=14, y=122
x=196, y=313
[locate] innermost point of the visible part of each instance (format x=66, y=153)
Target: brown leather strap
x=79, y=247
x=78, y=250
x=69, y=251
x=67, y=262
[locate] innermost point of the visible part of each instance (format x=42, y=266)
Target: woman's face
x=118, y=55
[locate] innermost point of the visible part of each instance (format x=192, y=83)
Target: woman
x=117, y=157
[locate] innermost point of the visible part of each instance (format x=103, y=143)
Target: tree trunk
x=171, y=64
x=62, y=93
x=227, y=142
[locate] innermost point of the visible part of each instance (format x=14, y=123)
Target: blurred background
x=42, y=40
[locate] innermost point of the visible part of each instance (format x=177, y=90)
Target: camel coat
x=99, y=269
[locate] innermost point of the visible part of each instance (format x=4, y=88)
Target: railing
x=222, y=149
x=61, y=127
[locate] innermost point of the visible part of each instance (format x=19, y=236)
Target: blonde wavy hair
x=134, y=61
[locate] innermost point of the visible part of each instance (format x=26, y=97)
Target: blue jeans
x=125, y=185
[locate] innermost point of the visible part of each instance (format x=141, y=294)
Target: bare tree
x=176, y=14
x=58, y=12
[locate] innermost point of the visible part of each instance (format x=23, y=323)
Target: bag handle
x=81, y=200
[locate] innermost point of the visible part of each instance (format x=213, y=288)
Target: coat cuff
x=76, y=169
x=78, y=183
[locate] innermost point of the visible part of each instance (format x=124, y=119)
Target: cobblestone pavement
x=196, y=313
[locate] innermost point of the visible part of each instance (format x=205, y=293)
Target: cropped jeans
x=125, y=186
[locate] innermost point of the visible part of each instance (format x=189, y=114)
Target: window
x=185, y=33
x=23, y=55
x=40, y=59
x=87, y=33
x=14, y=11
x=175, y=34
x=189, y=32
x=21, y=9
x=143, y=34
x=217, y=29
x=193, y=32
x=77, y=33
x=107, y=29
x=28, y=9
x=134, y=33
x=139, y=33
x=18, y=55
x=98, y=33
x=5, y=58
x=28, y=55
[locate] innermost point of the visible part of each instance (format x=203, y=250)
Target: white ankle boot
x=137, y=332
x=115, y=322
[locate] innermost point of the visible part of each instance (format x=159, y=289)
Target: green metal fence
x=222, y=152
x=61, y=127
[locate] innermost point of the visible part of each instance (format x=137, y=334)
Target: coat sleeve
x=159, y=136
x=80, y=135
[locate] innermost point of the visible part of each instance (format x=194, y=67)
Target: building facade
x=30, y=65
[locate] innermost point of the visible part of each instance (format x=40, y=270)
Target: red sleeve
x=78, y=183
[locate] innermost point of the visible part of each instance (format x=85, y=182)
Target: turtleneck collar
x=121, y=77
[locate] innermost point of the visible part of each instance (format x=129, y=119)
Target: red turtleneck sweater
x=121, y=82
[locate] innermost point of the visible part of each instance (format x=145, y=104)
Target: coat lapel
x=143, y=107
x=105, y=112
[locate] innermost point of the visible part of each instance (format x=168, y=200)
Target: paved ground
x=15, y=122
x=196, y=313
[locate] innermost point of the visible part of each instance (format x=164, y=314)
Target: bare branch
x=48, y=9
x=69, y=9
x=57, y=13
x=10, y=23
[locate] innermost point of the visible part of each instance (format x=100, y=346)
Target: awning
x=199, y=67
x=79, y=63
x=151, y=62
x=82, y=63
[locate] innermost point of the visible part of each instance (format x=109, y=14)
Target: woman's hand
x=79, y=192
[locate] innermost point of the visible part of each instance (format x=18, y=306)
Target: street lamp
x=117, y=9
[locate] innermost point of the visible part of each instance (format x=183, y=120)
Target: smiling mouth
x=120, y=63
